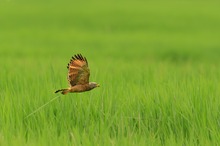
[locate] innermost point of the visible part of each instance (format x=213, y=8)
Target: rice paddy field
x=157, y=62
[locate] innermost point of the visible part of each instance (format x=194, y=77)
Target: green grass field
x=158, y=64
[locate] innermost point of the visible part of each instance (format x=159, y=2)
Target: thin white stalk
x=42, y=107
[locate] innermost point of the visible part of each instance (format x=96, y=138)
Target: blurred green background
x=173, y=30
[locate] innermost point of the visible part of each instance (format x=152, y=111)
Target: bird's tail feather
x=63, y=91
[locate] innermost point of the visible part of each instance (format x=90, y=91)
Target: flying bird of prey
x=78, y=76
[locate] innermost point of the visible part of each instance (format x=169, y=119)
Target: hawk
x=78, y=76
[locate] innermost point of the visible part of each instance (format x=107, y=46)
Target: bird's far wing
x=78, y=70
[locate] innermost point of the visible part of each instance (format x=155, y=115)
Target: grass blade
x=38, y=109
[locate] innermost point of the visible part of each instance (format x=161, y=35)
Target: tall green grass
x=157, y=64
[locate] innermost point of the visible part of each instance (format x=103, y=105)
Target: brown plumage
x=78, y=76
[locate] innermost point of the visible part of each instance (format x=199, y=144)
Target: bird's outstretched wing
x=78, y=70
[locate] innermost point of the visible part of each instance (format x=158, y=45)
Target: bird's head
x=93, y=85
